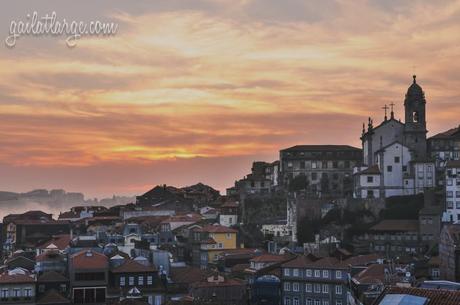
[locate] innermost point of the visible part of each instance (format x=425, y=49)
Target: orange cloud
x=224, y=79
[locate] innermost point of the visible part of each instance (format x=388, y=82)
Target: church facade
x=395, y=153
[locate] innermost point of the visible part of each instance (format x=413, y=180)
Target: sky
x=195, y=90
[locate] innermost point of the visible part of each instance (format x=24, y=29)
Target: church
x=395, y=153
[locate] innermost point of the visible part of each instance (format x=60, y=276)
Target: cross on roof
x=385, y=108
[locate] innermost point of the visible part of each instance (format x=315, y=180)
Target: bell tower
x=415, y=121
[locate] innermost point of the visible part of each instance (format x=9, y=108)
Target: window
x=27, y=292
x=287, y=272
x=338, y=289
x=324, y=165
x=317, y=273
x=396, y=159
x=149, y=280
x=308, y=272
x=295, y=301
x=325, y=288
x=370, y=179
x=370, y=193
x=317, y=302
x=450, y=194
x=16, y=292
x=229, y=235
x=63, y=287
x=325, y=273
x=404, y=168
x=317, y=288
x=122, y=281
x=313, y=164
x=4, y=294
x=140, y=281
x=131, y=281
x=314, y=176
x=308, y=287
x=335, y=164
x=295, y=272
x=309, y=302
x=338, y=302
x=389, y=168
x=295, y=287
x=338, y=274
x=287, y=301
x=325, y=302
x=287, y=286
x=302, y=164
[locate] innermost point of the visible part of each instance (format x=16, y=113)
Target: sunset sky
x=195, y=90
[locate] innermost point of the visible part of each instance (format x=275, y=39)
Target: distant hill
x=53, y=201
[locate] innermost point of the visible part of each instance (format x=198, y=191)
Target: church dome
x=415, y=89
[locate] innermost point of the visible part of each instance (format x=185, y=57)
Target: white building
x=395, y=153
x=276, y=229
x=229, y=214
x=452, y=212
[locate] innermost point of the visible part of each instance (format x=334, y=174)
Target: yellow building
x=213, y=240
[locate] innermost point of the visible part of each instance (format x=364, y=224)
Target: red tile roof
x=268, y=258
x=300, y=261
x=447, y=134
x=52, y=277
x=53, y=297
x=6, y=278
x=321, y=148
x=434, y=296
x=61, y=241
x=188, y=275
x=215, y=229
x=374, y=274
x=49, y=255
x=131, y=266
x=405, y=225
x=372, y=170
x=226, y=283
x=88, y=259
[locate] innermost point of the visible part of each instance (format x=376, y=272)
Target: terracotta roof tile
x=61, y=242
x=321, y=148
x=215, y=229
x=188, y=275
x=52, y=277
x=88, y=259
x=434, y=296
x=269, y=258
x=132, y=266
x=396, y=225
x=53, y=297
x=16, y=278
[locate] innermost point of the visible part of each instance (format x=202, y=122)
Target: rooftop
x=216, y=229
x=321, y=148
x=447, y=134
x=433, y=296
x=133, y=266
x=88, y=259
x=404, y=225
